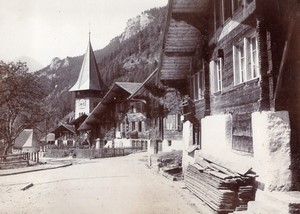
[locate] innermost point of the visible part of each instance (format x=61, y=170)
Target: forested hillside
x=130, y=57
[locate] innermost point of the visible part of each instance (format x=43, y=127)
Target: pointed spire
x=89, y=76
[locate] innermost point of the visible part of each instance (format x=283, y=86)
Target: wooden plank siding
x=180, y=42
x=175, y=68
x=190, y=6
x=239, y=100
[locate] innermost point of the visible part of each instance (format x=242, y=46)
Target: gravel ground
x=114, y=186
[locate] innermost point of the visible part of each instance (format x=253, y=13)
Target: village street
x=113, y=185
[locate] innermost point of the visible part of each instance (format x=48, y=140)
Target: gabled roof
x=78, y=120
x=50, y=137
x=89, y=76
x=141, y=89
x=67, y=127
x=119, y=91
x=130, y=87
x=26, y=139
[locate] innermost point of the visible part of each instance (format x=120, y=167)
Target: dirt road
x=114, y=186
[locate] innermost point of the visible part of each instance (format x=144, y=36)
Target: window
x=236, y=4
x=218, y=13
x=172, y=122
x=132, y=126
x=219, y=68
x=224, y=9
x=140, y=128
x=245, y=60
x=254, y=57
x=227, y=5
x=198, y=85
x=216, y=69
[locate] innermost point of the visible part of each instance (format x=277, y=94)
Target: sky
x=44, y=29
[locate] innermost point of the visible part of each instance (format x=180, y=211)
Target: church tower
x=89, y=88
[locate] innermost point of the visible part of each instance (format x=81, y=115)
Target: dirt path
x=116, y=185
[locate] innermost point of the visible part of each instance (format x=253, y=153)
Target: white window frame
x=198, y=84
x=216, y=70
x=244, y=64
x=219, y=71
x=172, y=122
x=254, y=58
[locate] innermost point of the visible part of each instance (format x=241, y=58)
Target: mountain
x=131, y=57
x=32, y=64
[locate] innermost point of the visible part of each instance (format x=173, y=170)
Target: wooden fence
x=91, y=153
x=14, y=160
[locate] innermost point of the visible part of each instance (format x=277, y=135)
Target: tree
x=21, y=98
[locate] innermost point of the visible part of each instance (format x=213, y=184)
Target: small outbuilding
x=26, y=142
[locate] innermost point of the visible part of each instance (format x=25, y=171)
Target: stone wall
x=188, y=141
x=272, y=151
x=271, y=157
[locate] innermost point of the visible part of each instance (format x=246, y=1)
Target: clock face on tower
x=82, y=103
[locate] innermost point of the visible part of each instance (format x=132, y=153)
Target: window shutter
x=248, y=75
x=211, y=77
x=220, y=75
x=235, y=60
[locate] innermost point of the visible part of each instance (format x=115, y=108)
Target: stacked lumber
x=222, y=190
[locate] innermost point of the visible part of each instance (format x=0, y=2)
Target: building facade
x=89, y=88
x=235, y=64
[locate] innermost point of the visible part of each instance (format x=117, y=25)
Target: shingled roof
x=89, y=76
x=120, y=90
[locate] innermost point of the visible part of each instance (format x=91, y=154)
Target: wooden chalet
x=116, y=118
x=65, y=136
x=235, y=63
x=164, y=127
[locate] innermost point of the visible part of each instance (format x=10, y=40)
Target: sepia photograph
x=150, y=107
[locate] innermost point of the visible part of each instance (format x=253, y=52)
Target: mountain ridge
x=129, y=57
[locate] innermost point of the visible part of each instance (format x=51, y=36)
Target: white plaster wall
x=150, y=151
x=216, y=134
x=123, y=142
x=216, y=144
x=271, y=143
x=187, y=142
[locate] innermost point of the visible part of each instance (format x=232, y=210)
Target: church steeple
x=89, y=88
x=89, y=76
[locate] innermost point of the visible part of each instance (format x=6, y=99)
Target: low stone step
x=241, y=212
x=258, y=207
x=288, y=202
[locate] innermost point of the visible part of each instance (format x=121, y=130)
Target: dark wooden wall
x=238, y=100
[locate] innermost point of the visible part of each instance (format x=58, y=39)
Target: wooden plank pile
x=222, y=190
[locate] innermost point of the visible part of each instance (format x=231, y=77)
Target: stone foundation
x=272, y=153
x=188, y=141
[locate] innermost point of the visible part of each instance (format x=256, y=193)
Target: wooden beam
x=283, y=60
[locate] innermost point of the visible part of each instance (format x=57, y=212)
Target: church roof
x=89, y=76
